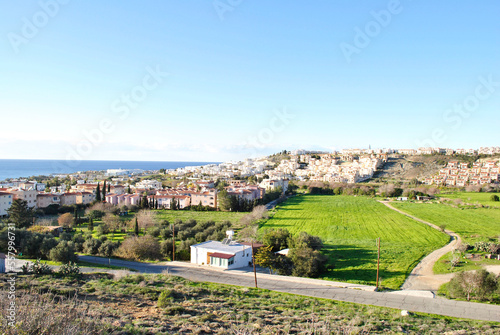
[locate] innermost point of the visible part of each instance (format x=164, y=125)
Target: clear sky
x=225, y=79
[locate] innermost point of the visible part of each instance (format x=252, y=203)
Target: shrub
x=166, y=248
x=69, y=269
x=474, y=284
x=494, y=197
x=63, y=252
x=140, y=248
x=65, y=237
x=48, y=244
x=37, y=268
x=307, y=262
x=91, y=246
x=107, y=248
x=164, y=299
x=79, y=240
x=66, y=220
x=155, y=231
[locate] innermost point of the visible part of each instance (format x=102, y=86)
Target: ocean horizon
x=24, y=168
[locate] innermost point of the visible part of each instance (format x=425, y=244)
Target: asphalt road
x=404, y=300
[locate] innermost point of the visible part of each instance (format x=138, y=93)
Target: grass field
x=474, y=198
x=349, y=227
x=472, y=224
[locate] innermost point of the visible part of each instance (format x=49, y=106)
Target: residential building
x=5, y=203
x=218, y=254
x=28, y=195
x=46, y=199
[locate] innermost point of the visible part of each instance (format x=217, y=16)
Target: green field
x=472, y=224
x=473, y=198
x=349, y=227
x=172, y=216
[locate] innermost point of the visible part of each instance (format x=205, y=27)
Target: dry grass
x=128, y=304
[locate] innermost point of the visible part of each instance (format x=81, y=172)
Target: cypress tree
x=109, y=188
x=91, y=224
x=136, y=228
x=98, y=193
x=104, y=191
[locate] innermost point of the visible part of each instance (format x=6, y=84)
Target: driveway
x=422, y=276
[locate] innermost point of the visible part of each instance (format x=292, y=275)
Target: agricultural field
x=474, y=198
x=472, y=224
x=349, y=227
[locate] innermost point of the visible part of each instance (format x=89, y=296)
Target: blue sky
x=244, y=78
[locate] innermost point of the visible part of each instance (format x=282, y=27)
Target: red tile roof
x=221, y=255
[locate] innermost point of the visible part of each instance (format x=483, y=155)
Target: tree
x=63, y=252
x=91, y=224
x=265, y=257
x=112, y=221
x=307, y=262
x=20, y=214
x=104, y=191
x=109, y=188
x=75, y=218
x=140, y=248
x=136, y=227
x=98, y=193
x=129, y=191
x=276, y=238
x=472, y=284
x=66, y=220
x=173, y=204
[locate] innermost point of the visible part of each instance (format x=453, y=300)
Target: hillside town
x=249, y=179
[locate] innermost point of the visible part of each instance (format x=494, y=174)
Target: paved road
x=422, y=276
x=320, y=289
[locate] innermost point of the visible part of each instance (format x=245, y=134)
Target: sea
x=24, y=168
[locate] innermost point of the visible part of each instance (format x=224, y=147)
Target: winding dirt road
x=422, y=278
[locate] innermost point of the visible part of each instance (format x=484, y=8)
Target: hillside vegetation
x=163, y=304
x=349, y=227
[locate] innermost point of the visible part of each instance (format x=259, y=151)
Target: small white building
x=226, y=255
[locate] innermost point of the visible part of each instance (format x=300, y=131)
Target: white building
x=222, y=255
x=149, y=184
x=5, y=203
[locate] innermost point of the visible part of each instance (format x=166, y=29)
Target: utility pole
x=378, y=262
x=254, y=271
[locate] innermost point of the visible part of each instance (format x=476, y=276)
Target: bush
x=155, y=231
x=140, y=248
x=473, y=284
x=79, y=240
x=494, y=197
x=107, y=248
x=69, y=269
x=91, y=246
x=37, y=268
x=65, y=237
x=47, y=245
x=164, y=299
x=307, y=262
x=63, y=252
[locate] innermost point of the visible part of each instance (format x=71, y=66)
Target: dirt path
x=422, y=277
